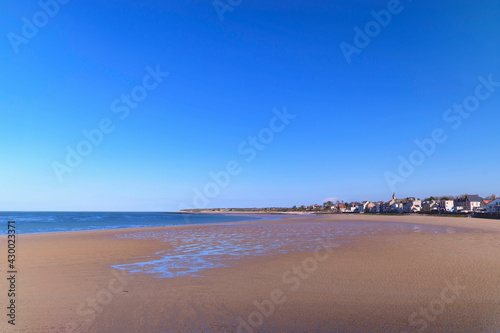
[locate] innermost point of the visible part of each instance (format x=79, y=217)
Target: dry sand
x=379, y=283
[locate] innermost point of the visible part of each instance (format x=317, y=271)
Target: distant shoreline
x=311, y=213
x=244, y=212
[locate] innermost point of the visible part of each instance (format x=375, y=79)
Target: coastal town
x=466, y=204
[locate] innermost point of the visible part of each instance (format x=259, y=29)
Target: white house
x=470, y=202
x=494, y=206
x=446, y=205
x=367, y=205
x=354, y=207
x=341, y=208
x=397, y=207
x=412, y=205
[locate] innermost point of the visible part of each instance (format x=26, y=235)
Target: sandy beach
x=405, y=281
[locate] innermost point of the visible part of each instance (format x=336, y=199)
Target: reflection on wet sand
x=190, y=251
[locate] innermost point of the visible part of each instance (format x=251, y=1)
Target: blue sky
x=225, y=78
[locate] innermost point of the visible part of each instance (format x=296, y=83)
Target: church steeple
x=394, y=196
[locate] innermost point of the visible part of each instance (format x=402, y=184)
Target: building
x=471, y=203
x=446, y=205
x=396, y=207
x=429, y=206
x=378, y=207
x=494, y=206
x=393, y=205
x=367, y=205
x=412, y=205
x=357, y=207
x=341, y=208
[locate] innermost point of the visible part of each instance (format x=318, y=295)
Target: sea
x=44, y=222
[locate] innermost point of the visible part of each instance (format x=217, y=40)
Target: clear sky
x=72, y=70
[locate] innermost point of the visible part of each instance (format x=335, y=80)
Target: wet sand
x=384, y=281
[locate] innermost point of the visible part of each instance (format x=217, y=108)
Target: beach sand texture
x=380, y=281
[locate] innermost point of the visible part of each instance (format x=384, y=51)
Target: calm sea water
x=42, y=222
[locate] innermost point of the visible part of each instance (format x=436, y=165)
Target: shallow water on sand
x=188, y=252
